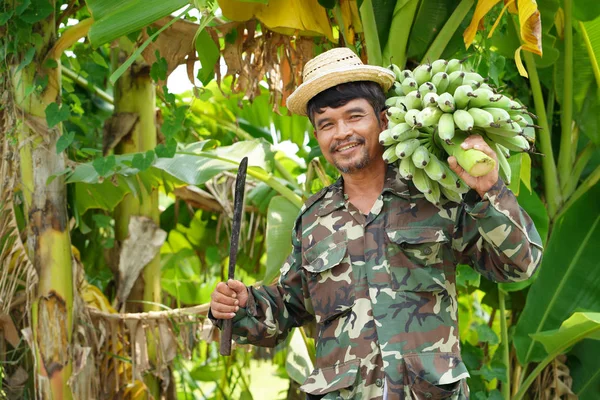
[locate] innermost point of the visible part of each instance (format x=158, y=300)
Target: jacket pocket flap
x=331, y=379
x=326, y=253
x=417, y=235
x=436, y=375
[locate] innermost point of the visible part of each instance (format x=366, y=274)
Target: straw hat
x=339, y=65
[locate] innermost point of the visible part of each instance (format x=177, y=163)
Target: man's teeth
x=348, y=147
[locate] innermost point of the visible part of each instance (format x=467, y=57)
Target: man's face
x=349, y=135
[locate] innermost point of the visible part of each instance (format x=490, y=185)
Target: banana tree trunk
x=48, y=239
x=135, y=94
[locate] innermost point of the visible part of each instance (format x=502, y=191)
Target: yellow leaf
x=482, y=8
x=531, y=26
x=520, y=66
x=291, y=17
x=351, y=19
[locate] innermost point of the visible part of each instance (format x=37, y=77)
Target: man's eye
x=326, y=126
x=355, y=116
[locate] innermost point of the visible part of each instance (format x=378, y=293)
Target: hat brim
x=298, y=100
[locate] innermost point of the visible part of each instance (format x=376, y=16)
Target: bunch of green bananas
x=432, y=109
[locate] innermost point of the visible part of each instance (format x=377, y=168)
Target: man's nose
x=342, y=130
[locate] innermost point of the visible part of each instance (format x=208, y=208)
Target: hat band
x=333, y=61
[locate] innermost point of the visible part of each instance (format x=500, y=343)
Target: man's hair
x=343, y=93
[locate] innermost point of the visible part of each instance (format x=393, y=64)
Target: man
x=373, y=262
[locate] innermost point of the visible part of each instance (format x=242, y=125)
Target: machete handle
x=225, y=348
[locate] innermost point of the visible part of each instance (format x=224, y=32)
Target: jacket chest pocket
x=329, y=276
x=415, y=258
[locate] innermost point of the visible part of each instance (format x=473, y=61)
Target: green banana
x=411, y=117
x=481, y=118
x=406, y=168
x=446, y=127
x=421, y=181
x=463, y=120
x=397, y=71
x=429, y=116
x=406, y=148
x=427, y=87
x=441, y=82
x=455, y=79
x=385, y=138
x=422, y=73
x=483, y=98
x=409, y=85
x=463, y=95
x=391, y=101
x=430, y=100
x=434, y=168
x=412, y=100
x=446, y=102
x=421, y=157
x=389, y=155
x=451, y=194
x=397, y=89
x=499, y=114
x=396, y=114
x=454, y=65
x=438, y=66
x=516, y=143
x=506, y=130
x=435, y=195
x=501, y=101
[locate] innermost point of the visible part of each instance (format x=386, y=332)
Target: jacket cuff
x=476, y=206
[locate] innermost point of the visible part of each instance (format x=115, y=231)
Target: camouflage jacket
x=382, y=288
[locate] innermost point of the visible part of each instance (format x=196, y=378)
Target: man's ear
x=383, y=117
x=315, y=133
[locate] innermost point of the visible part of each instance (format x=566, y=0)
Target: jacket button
x=379, y=382
x=427, y=251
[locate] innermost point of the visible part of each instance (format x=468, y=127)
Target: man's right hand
x=227, y=298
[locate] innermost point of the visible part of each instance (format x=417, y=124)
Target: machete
x=238, y=209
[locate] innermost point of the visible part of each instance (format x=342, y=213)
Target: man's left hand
x=481, y=184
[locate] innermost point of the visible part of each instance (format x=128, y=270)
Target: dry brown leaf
x=9, y=330
x=175, y=44
x=116, y=128
x=141, y=246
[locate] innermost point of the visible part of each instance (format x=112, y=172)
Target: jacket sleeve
x=273, y=310
x=497, y=237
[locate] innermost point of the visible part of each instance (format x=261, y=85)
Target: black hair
x=343, y=93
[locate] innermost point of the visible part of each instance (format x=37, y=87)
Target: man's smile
x=347, y=147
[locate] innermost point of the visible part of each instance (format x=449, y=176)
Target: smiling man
x=373, y=262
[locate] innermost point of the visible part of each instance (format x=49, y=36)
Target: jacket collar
x=335, y=198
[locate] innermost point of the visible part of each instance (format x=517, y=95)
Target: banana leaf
x=586, y=10
x=584, y=365
x=430, y=19
x=568, y=279
x=116, y=18
x=280, y=223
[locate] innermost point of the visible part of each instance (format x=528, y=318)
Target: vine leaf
x=56, y=114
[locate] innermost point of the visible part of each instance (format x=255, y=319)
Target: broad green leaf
x=486, y=334
x=430, y=19
x=98, y=59
x=280, y=223
x=113, y=18
x=592, y=31
x=105, y=195
x=64, y=141
x=208, y=54
x=586, y=10
x=5, y=16
x=589, y=117
x=579, y=326
x=467, y=276
x=584, y=366
x=584, y=76
x=197, y=169
x=568, y=278
x=38, y=10
x=531, y=203
x=384, y=14
x=56, y=115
